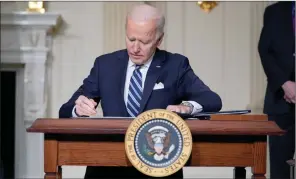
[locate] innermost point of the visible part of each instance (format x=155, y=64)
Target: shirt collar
x=147, y=64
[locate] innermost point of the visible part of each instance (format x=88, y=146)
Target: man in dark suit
x=139, y=78
x=277, y=52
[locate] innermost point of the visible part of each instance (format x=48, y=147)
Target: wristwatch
x=189, y=105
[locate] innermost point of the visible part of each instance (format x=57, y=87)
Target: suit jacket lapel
x=153, y=74
x=122, y=64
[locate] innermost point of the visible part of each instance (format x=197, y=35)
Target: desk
x=224, y=141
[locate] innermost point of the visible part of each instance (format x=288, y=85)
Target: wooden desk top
x=218, y=125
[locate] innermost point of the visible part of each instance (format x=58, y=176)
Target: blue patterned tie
x=135, y=93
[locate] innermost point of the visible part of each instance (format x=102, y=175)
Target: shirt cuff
x=74, y=113
x=196, y=107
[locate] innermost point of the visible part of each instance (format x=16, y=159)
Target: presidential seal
x=158, y=143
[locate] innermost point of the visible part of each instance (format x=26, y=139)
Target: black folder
x=207, y=115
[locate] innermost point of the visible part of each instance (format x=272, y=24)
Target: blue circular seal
x=158, y=143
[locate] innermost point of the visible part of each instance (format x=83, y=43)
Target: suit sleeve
x=275, y=76
x=191, y=88
x=89, y=88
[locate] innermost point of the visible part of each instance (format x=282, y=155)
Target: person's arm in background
x=276, y=77
x=193, y=90
x=87, y=96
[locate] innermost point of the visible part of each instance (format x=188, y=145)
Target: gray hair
x=146, y=12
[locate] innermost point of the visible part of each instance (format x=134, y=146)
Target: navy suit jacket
x=105, y=84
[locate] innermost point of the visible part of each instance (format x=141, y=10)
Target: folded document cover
x=207, y=115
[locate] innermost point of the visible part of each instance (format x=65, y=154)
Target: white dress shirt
x=144, y=69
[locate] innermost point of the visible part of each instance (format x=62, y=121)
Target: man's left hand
x=179, y=108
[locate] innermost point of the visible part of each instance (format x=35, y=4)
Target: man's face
x=141, y=40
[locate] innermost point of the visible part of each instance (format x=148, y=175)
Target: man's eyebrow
x=131, y=38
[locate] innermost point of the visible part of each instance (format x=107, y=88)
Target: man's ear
x=159, y=40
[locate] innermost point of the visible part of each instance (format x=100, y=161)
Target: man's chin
x=138, y=61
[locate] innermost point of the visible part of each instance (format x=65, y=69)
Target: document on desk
x=107, y=117
x=201, y=115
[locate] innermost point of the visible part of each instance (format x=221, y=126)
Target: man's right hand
x=85, y=106
x=289, y=88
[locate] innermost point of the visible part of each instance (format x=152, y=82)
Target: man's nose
x=136, y=47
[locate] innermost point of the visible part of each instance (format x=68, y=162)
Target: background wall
x=218, y=46
x=221, y=47
x=75, y=47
